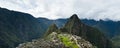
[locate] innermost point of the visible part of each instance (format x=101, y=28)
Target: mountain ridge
x=106, y=29
x=17, y=27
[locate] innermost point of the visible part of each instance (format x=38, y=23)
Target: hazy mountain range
x=109, y=27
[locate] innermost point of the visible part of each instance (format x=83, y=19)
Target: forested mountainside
x=109, y=27
x=17, y=27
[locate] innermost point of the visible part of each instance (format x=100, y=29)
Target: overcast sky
x=54, y=9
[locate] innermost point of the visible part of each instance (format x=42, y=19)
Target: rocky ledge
x=55, y=40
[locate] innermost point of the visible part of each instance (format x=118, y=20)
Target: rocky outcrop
x=55, y=40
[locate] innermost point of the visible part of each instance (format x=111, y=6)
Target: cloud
x=54, y=9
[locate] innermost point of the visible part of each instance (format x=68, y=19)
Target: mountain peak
x=72, y=23
x=51, y=29
x=74, y=16
x=74, y=26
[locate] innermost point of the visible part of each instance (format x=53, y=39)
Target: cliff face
x=55, y=40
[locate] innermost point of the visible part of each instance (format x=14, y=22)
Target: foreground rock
x=55, y=40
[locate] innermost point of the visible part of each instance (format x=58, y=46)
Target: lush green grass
x=67, y=42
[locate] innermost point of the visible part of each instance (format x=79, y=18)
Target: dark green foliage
x=17, y=27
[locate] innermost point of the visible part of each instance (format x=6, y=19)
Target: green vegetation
x=67, y=42
x=17, y=27
x=116, y=41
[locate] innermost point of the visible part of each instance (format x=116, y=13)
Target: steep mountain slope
x=76, y=27
x=17, y=27
x=110, y=28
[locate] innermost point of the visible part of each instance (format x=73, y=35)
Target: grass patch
x=67, y=42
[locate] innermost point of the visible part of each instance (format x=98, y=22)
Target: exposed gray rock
x=55, y=40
